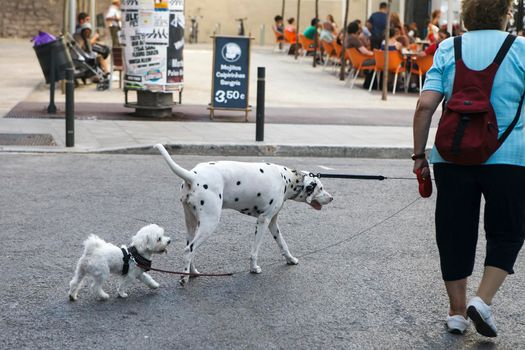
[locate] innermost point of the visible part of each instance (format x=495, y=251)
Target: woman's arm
x=426, y=106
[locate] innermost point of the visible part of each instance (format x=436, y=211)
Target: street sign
x=231, y=74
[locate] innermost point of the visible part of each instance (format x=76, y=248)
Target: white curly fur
x=100, y=259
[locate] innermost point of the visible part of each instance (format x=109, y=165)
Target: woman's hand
x=422, y=164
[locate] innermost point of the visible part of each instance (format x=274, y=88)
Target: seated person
x=327, y=32
x=352, y=39
x=393, y=43
x=290, y=28
x=83, y=39
x=432, y=48
x=278, y=28
x=85, y=18
x=309, y=32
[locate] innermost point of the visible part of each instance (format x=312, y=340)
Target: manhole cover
x=27, y=140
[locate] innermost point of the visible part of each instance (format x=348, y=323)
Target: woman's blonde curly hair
x=484, y=14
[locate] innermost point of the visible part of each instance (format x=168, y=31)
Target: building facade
x=23, y=18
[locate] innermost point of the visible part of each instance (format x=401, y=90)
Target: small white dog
x=101, y=258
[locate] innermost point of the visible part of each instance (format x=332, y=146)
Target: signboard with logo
x=231, y=74
x=152, y=36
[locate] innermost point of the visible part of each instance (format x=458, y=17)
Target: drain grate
x=27, y=140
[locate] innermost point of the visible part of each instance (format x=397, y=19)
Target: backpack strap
x=499, y=56
x=504, y=49
x=457, y=48
x=514, y=122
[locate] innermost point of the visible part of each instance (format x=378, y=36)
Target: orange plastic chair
x=395, y=65
x=307, y=46
x=423, y=65
x=290, y=37
x=338, y=49
x=357, y=59
x=329, y=51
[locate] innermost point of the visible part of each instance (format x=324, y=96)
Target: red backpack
x=468, y=130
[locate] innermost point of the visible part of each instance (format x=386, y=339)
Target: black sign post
x=231, y=74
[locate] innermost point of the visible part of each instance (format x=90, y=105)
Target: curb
x=247, y=150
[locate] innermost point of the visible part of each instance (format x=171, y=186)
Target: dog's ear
x=310, y=190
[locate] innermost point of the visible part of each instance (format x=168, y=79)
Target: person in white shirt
x=113, y=18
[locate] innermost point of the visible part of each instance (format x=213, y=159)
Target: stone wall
x=24, y=18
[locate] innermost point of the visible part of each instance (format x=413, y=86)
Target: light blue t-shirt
x=479, y=48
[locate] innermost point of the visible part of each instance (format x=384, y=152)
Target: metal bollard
x=52, y=108
x=70, y=107
x=259, y=122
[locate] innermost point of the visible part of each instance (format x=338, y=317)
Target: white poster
x=152, y=48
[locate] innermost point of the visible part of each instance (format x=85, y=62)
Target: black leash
x=359, y=177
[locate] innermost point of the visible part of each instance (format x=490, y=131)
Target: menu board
x=231, y=72
x=152, y=36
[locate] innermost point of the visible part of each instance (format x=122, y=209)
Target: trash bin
x=58, y=51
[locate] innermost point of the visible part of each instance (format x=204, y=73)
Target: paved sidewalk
x=290, y=86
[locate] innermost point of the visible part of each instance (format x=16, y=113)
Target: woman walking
x=487, y=56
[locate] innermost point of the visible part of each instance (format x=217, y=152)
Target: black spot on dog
x=181, y=200
x=255, y=208
x=194, y=171
x=275, y=237
x=191, y=248
x=245, y=209
x=220, y=196
x=187, y=196
x=187, y=243
x=205, y=186
x=194, y=207
x=259, y=194
x=212, y=163
x=262, y=171
x=285, y=169
x=268, y=164
x=260, y=211
x=284, y=189
x=185, y=269
x=236, y=199
x=271, y=202
x=202, y=202
x=321, y=188
x=238, y=183
x=182, y=186
x=198, y=223
x=197, y=184
x=296, y=181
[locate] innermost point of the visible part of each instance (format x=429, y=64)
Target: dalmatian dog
x=255, y=189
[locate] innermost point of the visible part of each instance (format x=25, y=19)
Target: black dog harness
x=132, y=254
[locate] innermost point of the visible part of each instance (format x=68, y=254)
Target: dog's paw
x=256, y=269
x=292, y=260
x=103, y=296
x=183, y=281
x=154, y=285
x=72, y=297
x=122, y=295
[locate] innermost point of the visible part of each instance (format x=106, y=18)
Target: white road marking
x=325, y=167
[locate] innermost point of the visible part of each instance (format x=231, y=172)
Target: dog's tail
x=92, y=242
x=184, y=174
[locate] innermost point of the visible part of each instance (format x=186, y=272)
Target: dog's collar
x=132, y=254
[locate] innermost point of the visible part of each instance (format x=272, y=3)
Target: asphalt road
x=368, y=275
